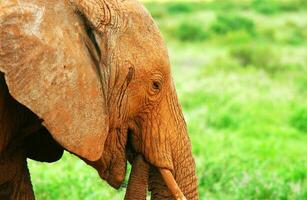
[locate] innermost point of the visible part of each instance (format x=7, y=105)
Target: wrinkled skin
x=125, y=70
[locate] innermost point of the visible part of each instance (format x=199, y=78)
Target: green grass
x=240, y=69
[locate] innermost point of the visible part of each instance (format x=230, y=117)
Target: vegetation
x=240, y=69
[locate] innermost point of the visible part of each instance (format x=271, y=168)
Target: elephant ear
x=50, y=67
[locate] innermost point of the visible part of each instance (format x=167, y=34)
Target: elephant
x=91, y=77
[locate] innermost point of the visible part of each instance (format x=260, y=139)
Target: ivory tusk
x=172, y=184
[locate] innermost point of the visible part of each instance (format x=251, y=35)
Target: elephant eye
x=156, y=86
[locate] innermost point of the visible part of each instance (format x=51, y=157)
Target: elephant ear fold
x=49, y=68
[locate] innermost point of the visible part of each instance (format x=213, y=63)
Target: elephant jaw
x=115, y=175
x=112, y=166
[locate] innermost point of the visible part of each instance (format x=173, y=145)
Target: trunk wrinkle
x=138, y=180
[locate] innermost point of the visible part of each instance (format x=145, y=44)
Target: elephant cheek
x=112, y=164
x=156, y=147
x=116, y=173
x=149, y=139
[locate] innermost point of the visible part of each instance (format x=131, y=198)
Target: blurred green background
x=240, y=68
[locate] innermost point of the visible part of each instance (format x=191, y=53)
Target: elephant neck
x=15, y=180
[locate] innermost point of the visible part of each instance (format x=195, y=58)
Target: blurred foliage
x=226, y=23
x=299, y=119
x=261, y=57
x=274, y=7
x=240, y=69
x=267, y=6
x=234, y=18
x=190, y=31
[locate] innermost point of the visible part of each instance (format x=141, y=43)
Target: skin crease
x=125, y=64
x=138, y=180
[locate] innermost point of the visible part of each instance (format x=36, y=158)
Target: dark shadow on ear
x=40, y=146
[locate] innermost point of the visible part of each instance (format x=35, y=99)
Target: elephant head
x=141, y=98
x=97, y=73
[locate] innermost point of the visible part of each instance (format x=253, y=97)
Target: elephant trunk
x=184, y=166
x=138, y=180
x=184, y=173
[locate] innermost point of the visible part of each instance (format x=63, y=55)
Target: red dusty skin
x=138, y=180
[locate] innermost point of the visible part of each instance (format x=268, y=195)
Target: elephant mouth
x=142, y=169
x=113, y=169
x=139, y=172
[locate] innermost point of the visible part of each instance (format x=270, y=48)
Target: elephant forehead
x=143, y=55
